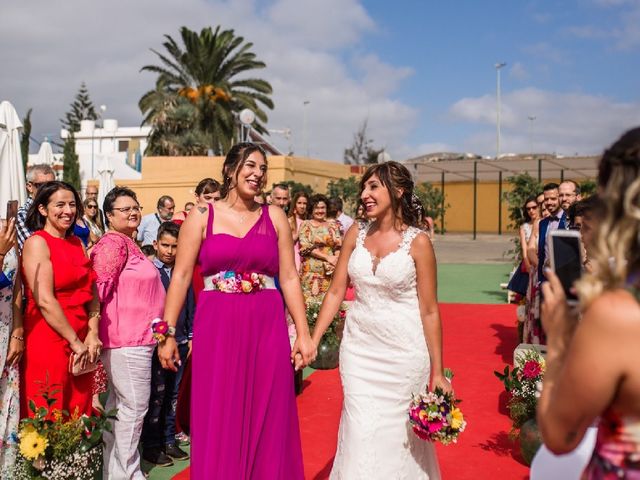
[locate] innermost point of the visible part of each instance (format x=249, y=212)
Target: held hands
x=304, y=351
x=81, y=352
x=168, y=354
x=94, y=346
x=558, y=320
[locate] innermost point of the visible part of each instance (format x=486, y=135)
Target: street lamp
x=498, y=67
x=531, y=120
x=304, y=127
x=247, y=117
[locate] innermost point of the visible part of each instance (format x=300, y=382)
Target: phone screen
x=567, y=260
x=12, y=209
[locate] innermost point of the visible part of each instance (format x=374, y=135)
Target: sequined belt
x=229, y=281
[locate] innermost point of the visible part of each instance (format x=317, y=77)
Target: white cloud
x=50, y=48
x=565, y=123
x=518, y=71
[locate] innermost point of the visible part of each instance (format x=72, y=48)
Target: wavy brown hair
x=615, y=250
x=395, y=176
x=233, y=162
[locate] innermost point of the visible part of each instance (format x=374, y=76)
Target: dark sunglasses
x=92, y=206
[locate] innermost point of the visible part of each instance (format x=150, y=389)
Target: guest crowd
x=82, y=284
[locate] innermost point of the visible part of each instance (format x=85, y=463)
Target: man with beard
x=148, y=229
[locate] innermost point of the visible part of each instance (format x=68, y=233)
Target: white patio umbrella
x=45, y=154
x=105, y=175
x=12, y=181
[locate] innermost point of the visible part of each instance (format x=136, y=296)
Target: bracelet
x=161, y=330
x=18, y=338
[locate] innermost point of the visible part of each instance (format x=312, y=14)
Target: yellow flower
x=32, y=445
x=26, y=430
x=246, y=286
x=456, y=418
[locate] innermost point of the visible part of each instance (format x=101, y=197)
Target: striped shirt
x=22, y=232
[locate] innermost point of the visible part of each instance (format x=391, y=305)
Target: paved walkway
x=461, y=248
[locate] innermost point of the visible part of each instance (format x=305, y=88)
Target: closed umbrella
x=45, y=154
x=12, y=182
x=105, y=175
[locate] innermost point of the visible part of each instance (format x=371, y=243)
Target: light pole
x=498, y=67
x=531, y=120
x=304, y=127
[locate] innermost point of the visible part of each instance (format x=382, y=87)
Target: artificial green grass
x=166, y=473
x=477, y=283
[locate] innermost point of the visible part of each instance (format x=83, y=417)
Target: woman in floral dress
x=11, y=347
x=320, y=243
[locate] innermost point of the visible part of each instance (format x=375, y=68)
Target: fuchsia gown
x=243, y=409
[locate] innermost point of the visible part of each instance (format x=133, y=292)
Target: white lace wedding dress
x=383, y=360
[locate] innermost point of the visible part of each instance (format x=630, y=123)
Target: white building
x=122, y=146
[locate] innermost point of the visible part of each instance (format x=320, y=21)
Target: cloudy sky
x=420, y=72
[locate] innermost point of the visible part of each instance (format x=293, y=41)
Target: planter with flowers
x=329, y=347
x=522, y=383
x=55, y=444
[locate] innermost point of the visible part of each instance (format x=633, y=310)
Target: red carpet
x=478, y=339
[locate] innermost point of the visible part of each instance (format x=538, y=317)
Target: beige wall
x=178, y=176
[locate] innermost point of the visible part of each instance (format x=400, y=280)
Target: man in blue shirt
x=148, y=229
x=158, y=432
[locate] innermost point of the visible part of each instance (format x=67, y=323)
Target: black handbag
x=519, y=282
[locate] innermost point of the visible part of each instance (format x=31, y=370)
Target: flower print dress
x=315, y=274
x=9, y=378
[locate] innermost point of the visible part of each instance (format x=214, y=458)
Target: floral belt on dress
x=229, y=281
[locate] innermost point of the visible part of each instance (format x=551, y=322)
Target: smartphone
x=566, y=260
x=12, y=209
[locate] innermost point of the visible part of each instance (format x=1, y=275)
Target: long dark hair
x=296, y=196
x=35, y=220
x=525, y=212
x=395, y=176
x=233, y=162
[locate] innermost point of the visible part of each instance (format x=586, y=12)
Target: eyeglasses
x=128, y=210
x=37, y=184
x=92, y=206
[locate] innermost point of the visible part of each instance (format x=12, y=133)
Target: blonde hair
x=615, y=250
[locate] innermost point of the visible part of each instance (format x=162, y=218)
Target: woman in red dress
x=62, y=306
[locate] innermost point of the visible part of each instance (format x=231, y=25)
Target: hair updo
x=394, y=176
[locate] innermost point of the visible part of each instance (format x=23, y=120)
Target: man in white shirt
x=335, y=205
x=148, y=229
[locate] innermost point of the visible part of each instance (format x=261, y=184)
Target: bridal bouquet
x=54, y=444
x=434, y=416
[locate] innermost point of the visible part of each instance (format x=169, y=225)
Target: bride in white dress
x=392, y=344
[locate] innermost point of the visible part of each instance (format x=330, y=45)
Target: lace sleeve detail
x=409, y=235
x=108, y=259
x=363, y=228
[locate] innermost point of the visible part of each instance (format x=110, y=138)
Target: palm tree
x=210, y=73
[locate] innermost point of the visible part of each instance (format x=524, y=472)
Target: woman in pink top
x=131, y=297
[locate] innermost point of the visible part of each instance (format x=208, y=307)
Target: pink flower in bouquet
x=343, y=313
x=531, y=369
x=421, y=433
x=435, y=426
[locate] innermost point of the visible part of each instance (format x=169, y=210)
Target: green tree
x=25, y=138
x=433, y=201
x=295, y=187
x=588, y=188
x=70, y=164
x=211, y=71
x=348, y=189
x=81, y=109
x=361, y=152
x=523, y=186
